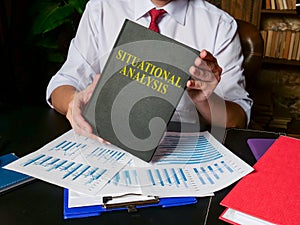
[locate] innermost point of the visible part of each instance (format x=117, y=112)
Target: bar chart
x=185, y=150
x=184, y=164
x=74, y=162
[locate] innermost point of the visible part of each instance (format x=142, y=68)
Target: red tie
x=155, y=14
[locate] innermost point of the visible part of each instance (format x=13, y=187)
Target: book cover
x=138, y=91
x=10, y=179
x=271, y=192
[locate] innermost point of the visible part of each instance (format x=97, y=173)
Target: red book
x=272, y=191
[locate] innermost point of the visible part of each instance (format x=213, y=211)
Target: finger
x=196, y=85
x=207, y=56
x=202, y=74
x=208, y=67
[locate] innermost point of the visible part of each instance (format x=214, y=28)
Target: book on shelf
x=280, y=4
x=140, y=86
x=281, y=37
x=295, y=48
x=270, y=194
x=287, y=44
x=267, y=4
x=298, y=52
x=273, y=4
x=282, y=44
x=292, y=45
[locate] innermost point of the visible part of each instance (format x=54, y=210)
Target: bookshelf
x=279, y=79
x=280, y=29
x=258, y=12
x=280, y=69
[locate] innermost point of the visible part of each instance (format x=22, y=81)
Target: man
x=216, y=89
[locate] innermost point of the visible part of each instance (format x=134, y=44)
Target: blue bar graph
x=105, y=155
x=125, y=178
x=177, y=181
x=199, y=176
x=69, y=169
x=159, y=177
x=227, y=167
x=68, y=148
x=207, y=175
x=186, y=150
x=212, y=173
x=56, y=164
x=150, y=176
x=167, y=176
x=172, y=177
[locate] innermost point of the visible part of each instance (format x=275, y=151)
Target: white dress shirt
x=193, y=22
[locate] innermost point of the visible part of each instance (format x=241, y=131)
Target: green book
x=138, y=91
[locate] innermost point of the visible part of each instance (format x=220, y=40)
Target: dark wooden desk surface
x=26, y=129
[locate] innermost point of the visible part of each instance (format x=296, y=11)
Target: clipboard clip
x=131, y=206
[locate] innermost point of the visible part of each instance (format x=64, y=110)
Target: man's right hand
x=71, y=103
x=75, y=108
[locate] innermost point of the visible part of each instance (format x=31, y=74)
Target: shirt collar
x=176, y=9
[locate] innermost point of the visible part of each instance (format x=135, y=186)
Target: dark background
x=24, y=72
x=25, y=68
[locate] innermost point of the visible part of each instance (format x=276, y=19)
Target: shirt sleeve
x=232, y=84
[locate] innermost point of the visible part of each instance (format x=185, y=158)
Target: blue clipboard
x=97, y=210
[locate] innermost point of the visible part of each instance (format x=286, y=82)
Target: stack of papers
x=184, y=165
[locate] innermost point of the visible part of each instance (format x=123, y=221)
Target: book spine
x=295, y=47
x=269, y=43
x=298, y=52
x=287, y=44
x=284, y=2
x=268, y=4
x=292, y=42
x=264, y=34
x=273, y=4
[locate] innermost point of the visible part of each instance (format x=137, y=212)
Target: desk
x=26, y=129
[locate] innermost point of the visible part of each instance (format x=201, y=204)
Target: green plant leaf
x=47, y=42
x=79, y=5
x=56, y=57
x=51, y=17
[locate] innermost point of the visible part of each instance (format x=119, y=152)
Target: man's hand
x=75, y=108
x=206, y=74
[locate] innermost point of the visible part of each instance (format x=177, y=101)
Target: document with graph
x=191, y=164
x=185, y=164
x=74, y=162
